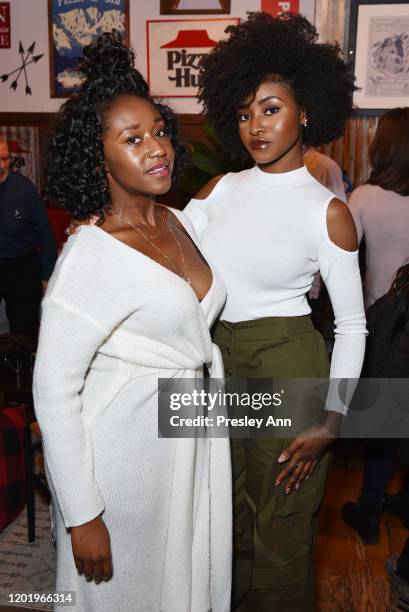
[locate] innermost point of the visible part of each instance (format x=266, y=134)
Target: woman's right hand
x=91, y=548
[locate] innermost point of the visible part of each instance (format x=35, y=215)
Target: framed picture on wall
x=176, y=49
x=198, y=7
x=379, y=48
x=73, y=26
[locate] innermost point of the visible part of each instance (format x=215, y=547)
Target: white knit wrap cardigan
x=113, y=322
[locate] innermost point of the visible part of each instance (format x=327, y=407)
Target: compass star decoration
x=27, y=58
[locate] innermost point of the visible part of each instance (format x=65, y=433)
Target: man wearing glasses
x=27, y=248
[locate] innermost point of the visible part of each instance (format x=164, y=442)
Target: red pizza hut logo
x=182, y=62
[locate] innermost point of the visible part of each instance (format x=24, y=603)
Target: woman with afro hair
x=131, y=300
x=268, y=89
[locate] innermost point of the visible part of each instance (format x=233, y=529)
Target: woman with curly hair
x=269, y=89
x=131, y=301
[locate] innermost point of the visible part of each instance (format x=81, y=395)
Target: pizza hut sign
x=176, y=49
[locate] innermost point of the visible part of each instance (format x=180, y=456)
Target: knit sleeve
x=79, y=312
x=340, y=272
x=201, y=212
x=68, y=342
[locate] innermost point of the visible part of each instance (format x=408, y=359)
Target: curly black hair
x=76, y=176
x=283, y=48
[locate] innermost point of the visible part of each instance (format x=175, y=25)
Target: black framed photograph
x=194, y=7
x=71, y=27
x=379, y=47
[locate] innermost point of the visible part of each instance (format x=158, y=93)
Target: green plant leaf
x=193, y=180
x=211, y=134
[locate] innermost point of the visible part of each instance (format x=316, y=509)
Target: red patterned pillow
x=12, y=465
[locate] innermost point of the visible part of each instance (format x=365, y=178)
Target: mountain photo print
x=73, y=24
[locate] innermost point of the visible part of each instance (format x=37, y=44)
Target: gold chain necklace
x=185, y=273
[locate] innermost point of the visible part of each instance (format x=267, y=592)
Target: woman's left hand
x=302, y=456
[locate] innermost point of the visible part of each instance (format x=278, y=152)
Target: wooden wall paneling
x=351, y=151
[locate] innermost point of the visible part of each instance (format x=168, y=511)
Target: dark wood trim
x=190, y=119
x=26, y=119
x=165, y=9
x=45, y=119
x=127, y=37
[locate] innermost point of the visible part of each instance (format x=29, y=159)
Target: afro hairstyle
x=285, y=49
x=76, y=175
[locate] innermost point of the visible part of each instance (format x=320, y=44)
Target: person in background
x=398, y=569
x=380, y=209
x=325, y=170
x=27, y=248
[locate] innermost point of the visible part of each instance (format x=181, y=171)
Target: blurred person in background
x=381, y=213
x=380, y=208
x=27, y=248
x=325, y=170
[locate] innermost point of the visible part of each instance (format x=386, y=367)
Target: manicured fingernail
x=297, y=486
x=306, y=477
x=281, y=459
x=287, y=490
x=277, y=482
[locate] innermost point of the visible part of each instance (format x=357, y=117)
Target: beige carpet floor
x=24, y=567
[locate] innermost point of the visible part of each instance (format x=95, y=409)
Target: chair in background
x=16, y=468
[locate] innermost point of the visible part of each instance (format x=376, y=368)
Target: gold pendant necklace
x=185, y=273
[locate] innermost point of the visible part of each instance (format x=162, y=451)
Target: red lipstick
x=259, y=144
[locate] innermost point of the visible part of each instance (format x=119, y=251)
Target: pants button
x=228, y=350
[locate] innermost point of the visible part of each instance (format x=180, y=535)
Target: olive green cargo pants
x=274, y=533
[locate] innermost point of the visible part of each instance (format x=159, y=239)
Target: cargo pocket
x=286, y=558
x=285, y=532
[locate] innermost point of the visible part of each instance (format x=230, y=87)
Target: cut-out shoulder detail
x=207, y=189
x=340, y=226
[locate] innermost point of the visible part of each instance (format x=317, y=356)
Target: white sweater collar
x=281, y=179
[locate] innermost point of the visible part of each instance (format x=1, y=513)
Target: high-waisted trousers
x=274, y=532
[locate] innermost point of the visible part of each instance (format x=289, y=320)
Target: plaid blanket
x=12, y=467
